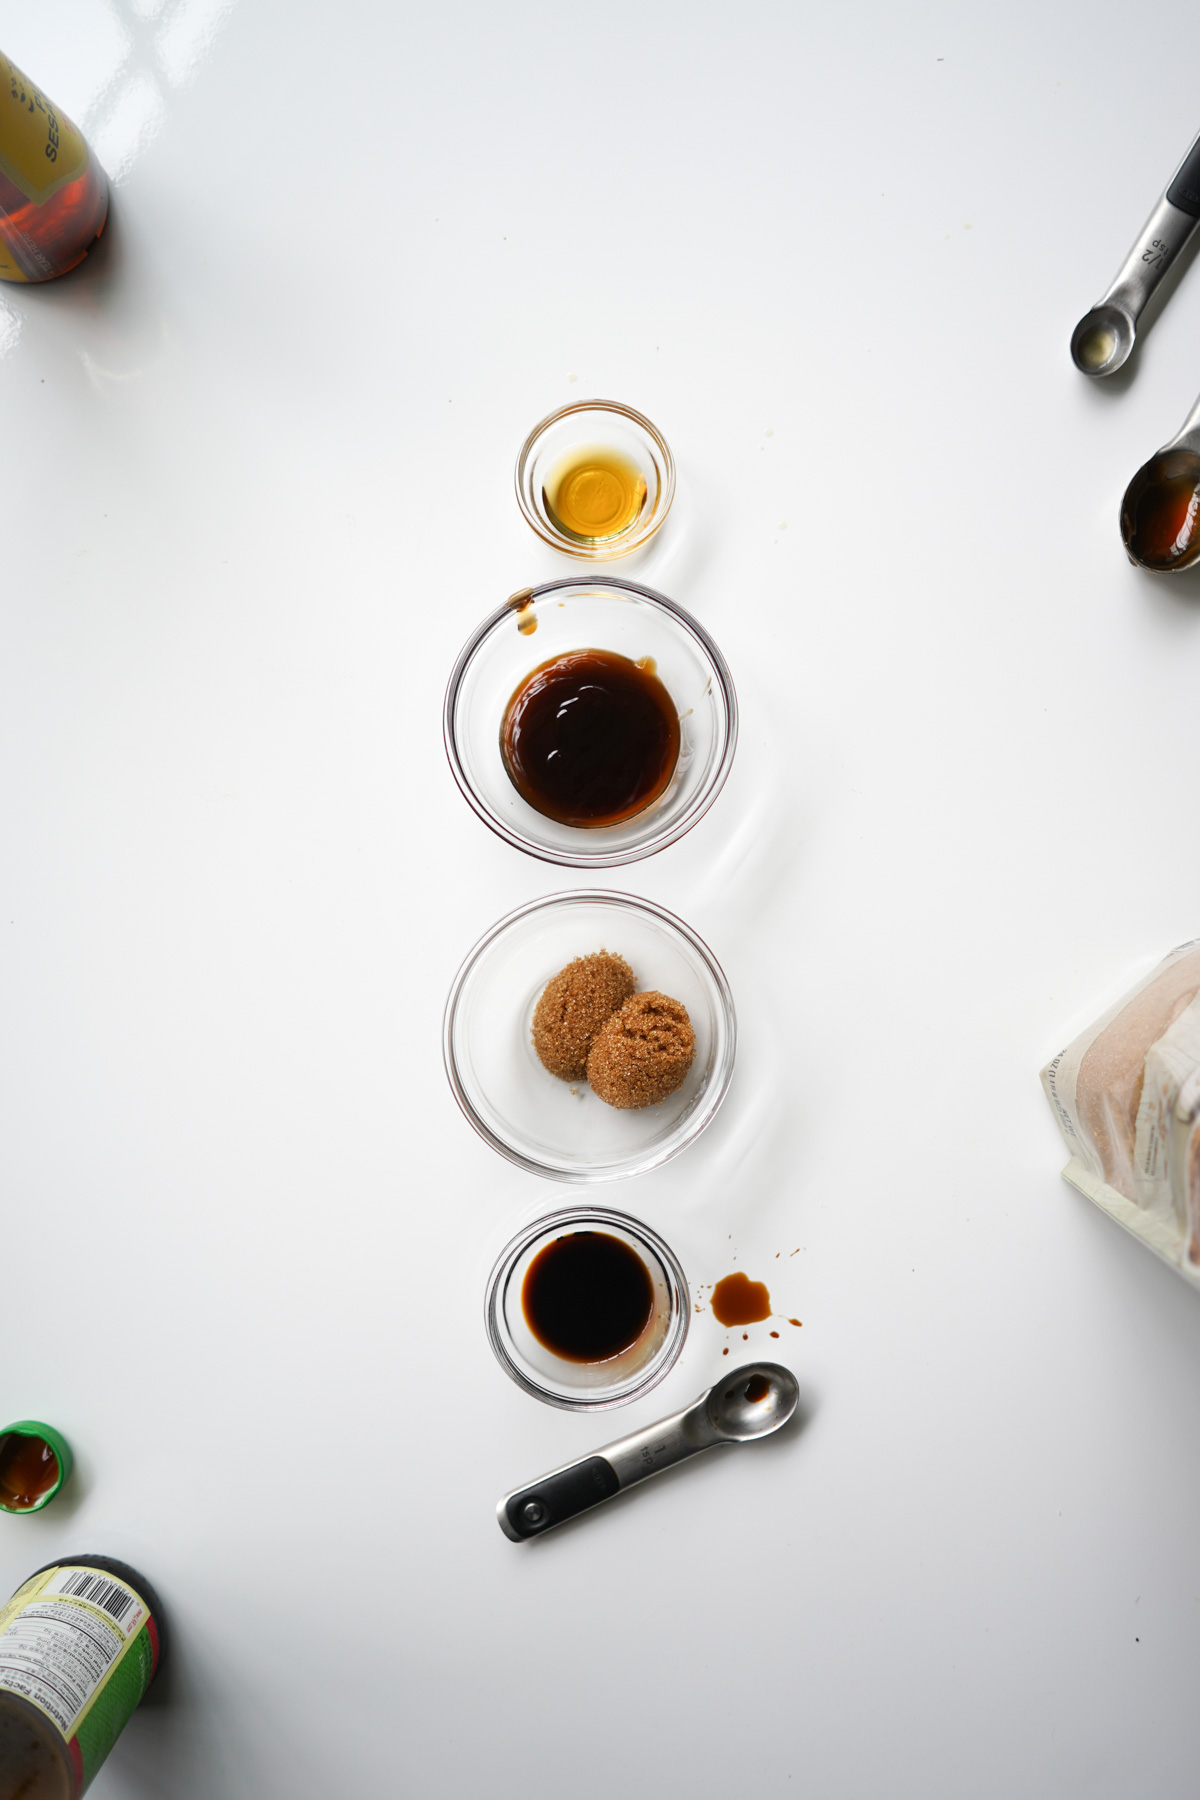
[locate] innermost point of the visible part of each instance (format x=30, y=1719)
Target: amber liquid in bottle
x=37, y=1761
x=53, y=193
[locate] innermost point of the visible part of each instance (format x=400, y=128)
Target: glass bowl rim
x=637, y=539
x=672, y=1346
x=703, y=799
x=660, y=1154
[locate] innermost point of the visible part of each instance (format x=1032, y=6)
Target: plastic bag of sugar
x=1126, y=1094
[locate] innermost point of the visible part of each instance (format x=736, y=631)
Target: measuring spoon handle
x=1188, y=435
x=529, y=1511
x=1160, y=240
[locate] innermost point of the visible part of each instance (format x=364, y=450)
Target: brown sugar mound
x=574, y=1006
x=642, y=1053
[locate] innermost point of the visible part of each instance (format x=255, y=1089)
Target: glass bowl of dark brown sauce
x=587, y=1309
x=590, y=722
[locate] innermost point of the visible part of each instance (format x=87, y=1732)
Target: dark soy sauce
x=587, y=1296
x=590, y=738
x=28, y=1469
x=1160, y=514
x=757, y=1388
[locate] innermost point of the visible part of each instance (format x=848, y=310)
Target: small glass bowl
x=559, y=1129
x=590, y=612
x=587, y=1387
x=604, y=425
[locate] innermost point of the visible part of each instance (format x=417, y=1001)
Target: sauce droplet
x=757, y=1388
x=522, y=604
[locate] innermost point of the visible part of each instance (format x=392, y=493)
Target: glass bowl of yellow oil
x=595, y=479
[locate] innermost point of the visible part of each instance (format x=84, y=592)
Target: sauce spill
x=28, y=1469
x=739, y=1301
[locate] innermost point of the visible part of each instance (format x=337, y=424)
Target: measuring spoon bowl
x=753, y=1401
x=1102, y=340
x=1160, y=513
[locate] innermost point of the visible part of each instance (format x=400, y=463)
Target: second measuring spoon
x=750, y=1402
x=1104, y=337
x=1160, y=514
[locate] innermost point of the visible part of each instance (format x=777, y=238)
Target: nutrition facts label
x=59, y=1646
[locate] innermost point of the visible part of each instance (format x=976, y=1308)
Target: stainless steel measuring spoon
x=749, y=1402
x=1104, y=337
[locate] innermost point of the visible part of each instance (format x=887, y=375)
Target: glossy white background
x=256, y=475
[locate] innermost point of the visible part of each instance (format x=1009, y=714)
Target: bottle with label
x=53, y=192
x=79, y=1645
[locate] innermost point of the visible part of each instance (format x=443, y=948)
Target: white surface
x=257, y=490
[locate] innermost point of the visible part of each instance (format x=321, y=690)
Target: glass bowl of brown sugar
x=561, y=1128
x=590, y=722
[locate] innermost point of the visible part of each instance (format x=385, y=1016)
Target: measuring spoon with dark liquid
x=1102, y=340
x=1160, y=514
x=750, y=1402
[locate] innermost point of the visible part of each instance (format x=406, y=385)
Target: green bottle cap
x=33, y=1428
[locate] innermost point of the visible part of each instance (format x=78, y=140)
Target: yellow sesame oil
x=595, y=494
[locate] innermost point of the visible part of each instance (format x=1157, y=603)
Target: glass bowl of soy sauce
x=558, y=1129
x=587, y=1309
x=590, y=722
